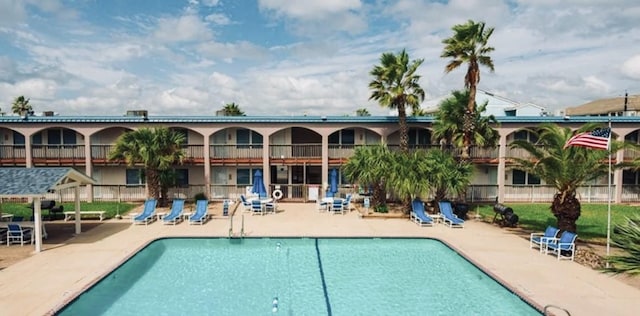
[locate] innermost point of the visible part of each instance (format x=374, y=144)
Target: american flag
x=597, y=139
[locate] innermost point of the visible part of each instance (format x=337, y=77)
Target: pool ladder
x=231, y=235
x=545, y=312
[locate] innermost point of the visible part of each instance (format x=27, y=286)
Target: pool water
x=297, y=276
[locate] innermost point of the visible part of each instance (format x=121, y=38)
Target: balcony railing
x=13, y=154
x=236, y=151
x=58, y=154
x=295, y=151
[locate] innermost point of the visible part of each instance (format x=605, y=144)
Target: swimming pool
x=297, y=276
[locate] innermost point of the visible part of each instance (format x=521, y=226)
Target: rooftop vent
x=48, y=113
x=137, y=113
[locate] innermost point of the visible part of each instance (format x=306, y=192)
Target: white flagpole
x=609, y=195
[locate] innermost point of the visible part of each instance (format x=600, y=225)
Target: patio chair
x=175, y=215
x=256, y=207
x=246, y=204
x=271, y=207
x=418, y=215
x=448, y=218
x=148, y=213
x=17, y=234
x=201, y=214
x=539, y=239
x=322, y=205
x=346, y=205
x=564, y=247
x=337, y=207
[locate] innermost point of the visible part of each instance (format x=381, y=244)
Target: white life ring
x=277, y=194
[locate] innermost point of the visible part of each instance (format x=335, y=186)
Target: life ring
x=277, y=194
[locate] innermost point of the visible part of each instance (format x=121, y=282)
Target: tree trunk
x=404, y=129
x=379, y=196
x=566, y=211
x=153, y=182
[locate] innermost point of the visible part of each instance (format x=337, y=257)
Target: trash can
x=461, y=210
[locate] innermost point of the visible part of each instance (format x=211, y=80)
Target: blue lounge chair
x=448, y=218
x=346, y=205
x=201, y=213
x=17, y=234
x=418, y=215
x=175, y=215
x=541, y=239
x=148, y=214
x=245, y=203
x=564, y=246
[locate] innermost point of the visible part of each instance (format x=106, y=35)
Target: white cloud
x=310, y=9
x=186, y=28
x=218, y=18
x=631, y=67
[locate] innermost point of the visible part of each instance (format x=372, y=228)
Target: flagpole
x=609, y=196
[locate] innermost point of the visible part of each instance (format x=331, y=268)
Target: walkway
x=43, y=282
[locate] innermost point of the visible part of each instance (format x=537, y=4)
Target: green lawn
x=111, y=208
x=592, y=224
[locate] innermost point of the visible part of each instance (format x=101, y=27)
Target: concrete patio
x=44, y=282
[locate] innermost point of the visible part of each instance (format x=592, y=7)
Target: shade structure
x=333, y=182
x=258, y=185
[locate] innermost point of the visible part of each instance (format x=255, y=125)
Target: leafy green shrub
x=626, y=237
x=199, y=196
x=382, y=208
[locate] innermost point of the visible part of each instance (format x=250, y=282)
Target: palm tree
x=21, y=106
x=564, y=168
x=446, y=176
x=156, y=149
x=395, y=86
x=232, y=109
x=362, y=112
x=449, y=128
x=469, y=45
x=369, y=167
x=627, y=238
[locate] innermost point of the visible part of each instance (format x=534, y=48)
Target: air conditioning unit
x=137, y=113
x=48, y=113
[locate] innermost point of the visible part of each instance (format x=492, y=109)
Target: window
x=54, y=136
x=521, y=178
x=525, y=135
x=68, y=137
x=246, y=138
x=184, y=132
x=630, y=177
x=244, y=177
x=37, y=138
x=18, y=139
x=343, y=137
x=135, y=177
x=510, y=113
x=419, y=136
x=182, y=178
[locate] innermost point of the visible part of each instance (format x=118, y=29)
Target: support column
x=76, y=191
x=88, y=169
x=266, y=160
x=206, y=153
x=502, y=157
x=325, y=165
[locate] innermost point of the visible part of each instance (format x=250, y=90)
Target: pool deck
x=44, y=282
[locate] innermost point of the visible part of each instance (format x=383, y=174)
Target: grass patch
x=110, y=208
x=592, y=224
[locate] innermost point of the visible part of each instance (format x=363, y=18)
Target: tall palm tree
x=21, y=106
x=564, y=168
x=449, y=127
x=232, y=109
x=156, y=149
x=469, y=44
x=362, y=112
x=395, y=86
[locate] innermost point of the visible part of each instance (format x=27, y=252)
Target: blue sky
x=285, y=57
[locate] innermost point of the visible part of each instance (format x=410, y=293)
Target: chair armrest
x=536, y=234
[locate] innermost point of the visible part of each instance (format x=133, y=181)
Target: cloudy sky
x=286, y=57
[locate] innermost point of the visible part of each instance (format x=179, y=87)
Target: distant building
x=496, y=105
x=618, y=106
